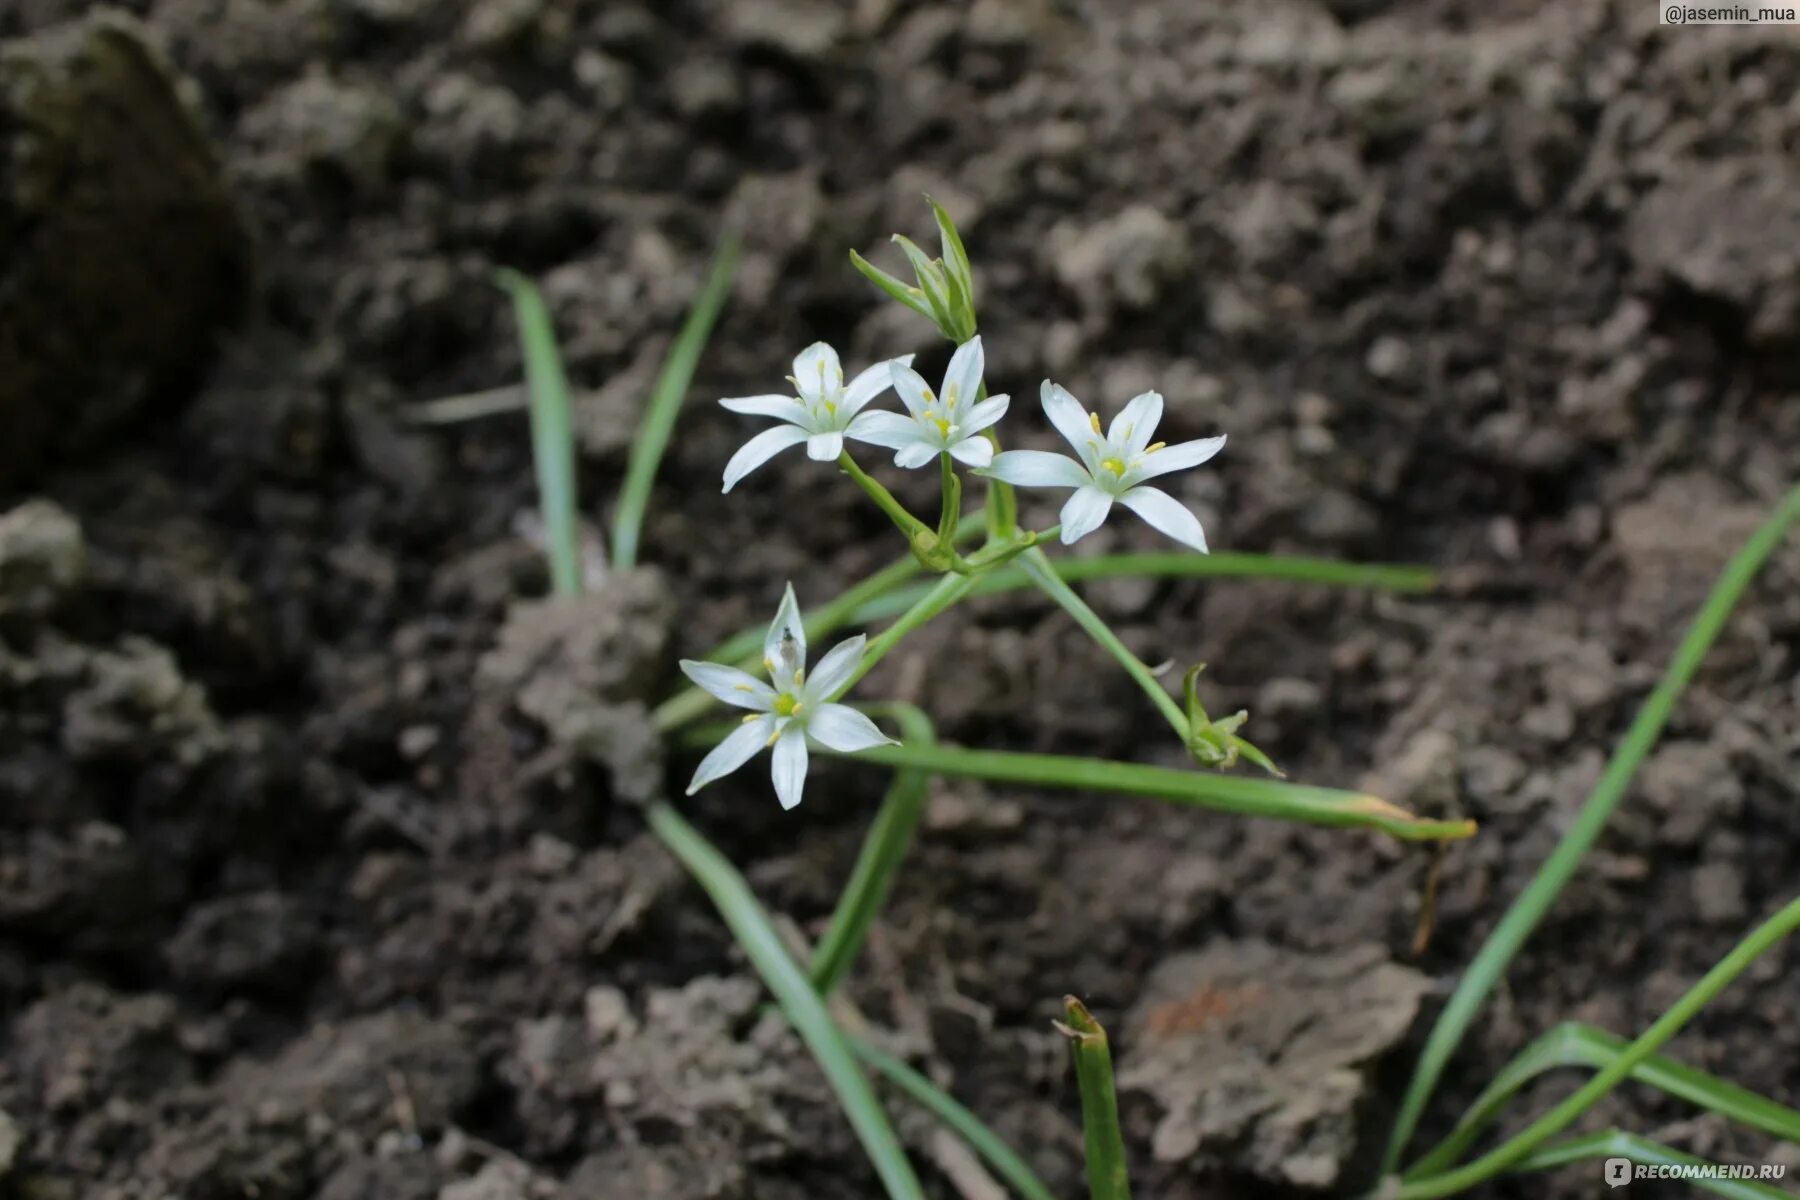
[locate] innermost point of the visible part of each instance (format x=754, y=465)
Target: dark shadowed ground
x=313, y=884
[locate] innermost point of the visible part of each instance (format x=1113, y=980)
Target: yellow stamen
x=773, y=738
x=743, y=687
x=943, y=426
x=786, y=705
x=750, y=718
x=800, y=675
x=1113, y=465
x=768, y=664
x=1094, y=420
x=1155, y=448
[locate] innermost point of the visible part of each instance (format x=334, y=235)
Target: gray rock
x=1256, y=1059
x=121, y=266
x=1127, y=261
x=1751, y=260
x=42, y=557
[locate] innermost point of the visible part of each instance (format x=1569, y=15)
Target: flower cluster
x=950, y=427
x=1109, y=466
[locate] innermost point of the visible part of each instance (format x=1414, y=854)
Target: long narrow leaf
x=665, y=404
x=1038, y=568
x=1522, y=918
x=1614, y=1143
x=1577, y=1045
x=552, y=436
x=1108, y=1177
x=883, y=850
x=1503, y=1157
x=799, y=1003
x=965, y=1124
x=1199, y=789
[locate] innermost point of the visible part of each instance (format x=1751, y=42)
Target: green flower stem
x=883, y=850
x=802, y=1006
x=1108, y=1178
x=1198, y=789
x=1616, y=1144
x=1577, y=1045
x=952, y=506
x=1522, y=918
x=552, y=438
x=1002, y=501
x=1510, y=1152
x=965, y=1124
x=658, y=423
x=908, y=524
x=945, y=593
x=1038, y=567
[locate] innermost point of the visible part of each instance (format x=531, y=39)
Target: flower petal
x=988, y=412
x=736, y=750
x=817, y=371
x=782, y=408
x=834, y=669
x=824, y=447
x=962, y=378
x=786, y=627
x=759, y=450
x=910, y=386
x=1037, y=468
x=888, y=429
x=840, y=727
x=870, y=384
x=1084, y=512
x=975, y=452
x=918, y=453
x=1177, y=457
x=1136, y=422
x=787, y=766
x=731, y=685
x=1071, y=420
x=1165, y=514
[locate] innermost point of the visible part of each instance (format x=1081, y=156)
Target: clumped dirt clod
x=321, y=868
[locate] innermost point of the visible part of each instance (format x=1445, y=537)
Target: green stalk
x=802, y=1006
x=552, y=437
x=965, y=1124
x=945, y=593
x=1616, y=1144
x=1241, y=794
x=903, y=520
x=1577, y=1045
x=1038, y=567
x=1522, y=918
x=1107, y=1176
x=883, y=850
x=952, y=505
x=1508, y=1153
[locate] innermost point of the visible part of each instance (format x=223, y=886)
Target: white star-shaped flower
x=795, y=710
x=823, y=413
x=936, y=424
x=1112, y=466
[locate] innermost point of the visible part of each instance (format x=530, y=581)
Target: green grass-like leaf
x=801, y=1005
x=1614, y=1143
x=665, y=404
x=965, y=1124
x=552, y=439
x=1522, y=918
x=1577, y=1045
x=884, y=849
x=1242, y=794
x=1508, y=1154
x=1108, y=1176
